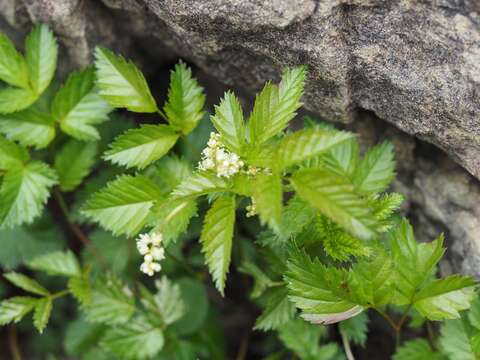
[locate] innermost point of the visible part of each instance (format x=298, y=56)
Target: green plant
x=329, y=244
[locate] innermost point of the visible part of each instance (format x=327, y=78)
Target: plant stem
x=59, y=294
x=242, y=351
x=162, y=115
x=346, y=346
x=13, y=342
x=76, y=229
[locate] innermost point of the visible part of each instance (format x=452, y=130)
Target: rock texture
x=412, y=63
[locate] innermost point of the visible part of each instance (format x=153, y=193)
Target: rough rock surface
x=412, y=63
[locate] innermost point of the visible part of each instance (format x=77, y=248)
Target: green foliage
x=228, y=120
x=319, y=233
x=78, y=107
x=416, y=350
x=335, y=197
x=121, y=83
x=41, y=51
x=26, y=283
x=123, y=205
x=140, y=147
x=24, y=191
x=29, y=127
x=184, y=108
x=57, y=263
x=216, y=238
x=74, y=162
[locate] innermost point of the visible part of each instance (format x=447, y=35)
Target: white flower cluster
x=217, y=158
x=252, y=209
x=149, y=245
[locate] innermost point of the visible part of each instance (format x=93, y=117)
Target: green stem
x=162, y=115
x=346, y=346
x=59, y=294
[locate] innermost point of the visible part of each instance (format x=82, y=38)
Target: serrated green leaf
x=474, y=313
x=24, y=192
x=15, y=99
x=228, y=120
x=200, y=183
x=455, y=341
x=167, y=301
x=444, y=298
x=342, y=159
x=171, y=218
x=169, y=172
x=41, y=51
x=111, y=302
x=417, y=349
x=278, y=311
x=140, y=147
x=78, y=107
x=134, y=340
x=79, y=287
x=15, y=308
x=216, y=238
x=303, y=339
x=317, y=290
x=13, y=68
x=307, y=143
x=376, y=170
x=356, y=328
x=414, y=262
x=29, y=127
x=334, y=196
x=74, y=162
x=123, y=205
x=275, y=106
x=121, y=83
x=43, y=309
x=57, y=263
x=26, y=283
x=184, y=108
x=11, y=154
x=268, y=195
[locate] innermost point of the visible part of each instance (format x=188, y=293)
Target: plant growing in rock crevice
x=330, y=243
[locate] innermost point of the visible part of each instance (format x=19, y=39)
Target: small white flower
x=149, y=245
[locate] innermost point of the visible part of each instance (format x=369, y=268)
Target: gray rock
x=414, y=64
